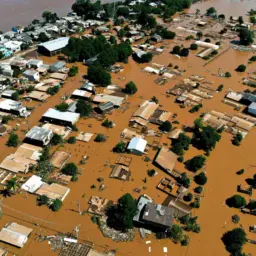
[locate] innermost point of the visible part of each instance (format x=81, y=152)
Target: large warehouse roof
x=56, y=44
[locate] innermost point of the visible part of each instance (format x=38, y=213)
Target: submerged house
x=39, y=136
x=137, y=146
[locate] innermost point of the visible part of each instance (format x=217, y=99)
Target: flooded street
x=222, y=164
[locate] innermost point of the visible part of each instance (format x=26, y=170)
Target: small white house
x=32, y=75
x=137, y=146
x=14, y=46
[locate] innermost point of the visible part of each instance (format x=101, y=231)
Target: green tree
x=73, y=71
x=184, y=180
x=123, y=51
x=180, y=144
x=235, y=218
x=241, y=68
x=199, y=189
x=70, y=169
x=72, y=140
x=237, y=139
x=236, y=201
x=240, y=20
x=6, y=119
x=120, y=216
x=56, y=205
x=62, y=107
x=196, y=163
x=97, y=75
x=176, y=50
x=100, y=138
x=15, y=96
x=83, y=108
x=123, y=11
x=193, y=47
x=44, y=168
x=42, y=200
x=199, y=34
x=53, y=90
x=119, y=147
x=252, y=19
x=234, y=241
x=107, y=123
x=107, y=57
x=211, y=11
x=246, y=36
x=112, y=39
x=130, y=88
x=200, y=179
x=45, y=154
x=42, y=37
x=165, y=126
x=176, y=233
x=46, y=15
x=13, y=140
x=56, y=139
x=12, y=185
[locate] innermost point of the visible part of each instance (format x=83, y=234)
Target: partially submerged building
x=137, y=146
x=13, y=107
x=15, y=234
x=39, y=136
x=120, y=172
x=62, y=118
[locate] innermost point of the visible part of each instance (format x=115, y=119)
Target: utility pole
x=79, y=206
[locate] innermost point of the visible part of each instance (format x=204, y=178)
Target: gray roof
x=249, y=96
x=63, y=116
x=158, y=214
x=72, y=107
x=56, y=44
x=141, y=203
x=39, y=133
x=252, y=106
x=34, y=62
x=58, y=65
x=106, y=106
x=30, y=72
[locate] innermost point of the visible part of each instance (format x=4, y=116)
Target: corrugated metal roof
x=56, y=44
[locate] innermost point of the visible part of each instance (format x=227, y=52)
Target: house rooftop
x=56, y=44
x=166, y=159
x=138, y=144
x=39, y=133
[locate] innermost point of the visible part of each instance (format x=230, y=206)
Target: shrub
x=193, y=47
x=200, y=179
x=56, y=205
x=42, y=200
x=151, y=173
x=188, y=197
x=253, y=58
x=196, y=108
x=100, y=138
x=220, y=88
x=72, y=140
x=237, y=139
x=6, y=119
x=62, y=107
x=236, y=201
x=73, y=71
x=184, y=52
x=184, y=180
x=207, y=40
x=241, y=68
x=235, y=219
x=70, y=169
x=240, y=172
x=83, y=108
x=227, y=74
x=176, y=50
x=107, y=123
x=195, y=204
x=13, y=140
x=199, y=189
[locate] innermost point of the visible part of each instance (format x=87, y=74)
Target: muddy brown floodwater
x=224, y=161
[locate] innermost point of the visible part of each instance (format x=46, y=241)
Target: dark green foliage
x=62, y=107
x=43, y=37
x=240, y=172
x=120, y=216
x=42, y=200
x=123, y=51
x=235, y=218
x=184, y=180
x=164, y=33
x=72, y=140
x=123, y=11
x=145, y=58
x=100, y=138
x=44, y=168
x=176, y=50
x=237, y=139
x=227, y=74
x=184, y=52
x=15, y=96
x=73, y=71
x=56, y=205
x=13, y=140
x=188, y=197
x=234, y=241
x=189, y=37
x=206, y=138
x=107, y=123
x=196, y=163
x=193, y=47
x=12, y=184
x=50, y=17
x=220, y=88
x=70, y=169
x=195, y=204
x=241, y=68
x=98, y=75
x=246, y=36
x=112, y=39
x=165, y=126
x=180, y=144
x=83, y=108
x=6, y=119
x=199, y=189
x=200, y=179
x=87, y=9
x=176, y=233
x=253, y=58
x=53, y=90
x=236, y=201
x=184, y=241
x=130, y=88
x=146, y=20
x=196, y=108
x=56, y=139
x=207, y=40
x=107, y=58
x=151, y=173
x=45, y=154
x=120, y=147
x=211, y=11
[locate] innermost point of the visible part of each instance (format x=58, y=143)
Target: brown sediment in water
x=222, y=164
